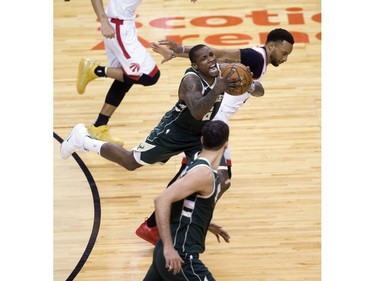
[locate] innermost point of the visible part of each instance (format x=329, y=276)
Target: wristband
x=173, y=54
x=183, y=49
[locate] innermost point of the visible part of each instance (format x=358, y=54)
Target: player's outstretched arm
x=222, y=55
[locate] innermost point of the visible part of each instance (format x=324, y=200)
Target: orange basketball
x=240, y=71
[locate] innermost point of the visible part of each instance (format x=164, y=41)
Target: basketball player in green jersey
x=184, y=211
x=199, y=97
x=275, y=51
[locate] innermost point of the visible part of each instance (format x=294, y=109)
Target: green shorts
x=166, y=140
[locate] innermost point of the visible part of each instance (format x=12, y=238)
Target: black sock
x=101, y=120
x=100, y=71
x=151, y=221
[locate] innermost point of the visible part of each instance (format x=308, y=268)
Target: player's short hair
x=215, y=134
x=280, y=34
x=193, y=52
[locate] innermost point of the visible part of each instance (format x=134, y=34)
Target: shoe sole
x=66, y=155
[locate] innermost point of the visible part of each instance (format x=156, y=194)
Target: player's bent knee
x=130, y=165
x=126, y=159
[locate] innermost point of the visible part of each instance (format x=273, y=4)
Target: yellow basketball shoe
x=85, y=74
x=102, y=133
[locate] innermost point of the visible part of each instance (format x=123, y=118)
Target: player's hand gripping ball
x=240, y=70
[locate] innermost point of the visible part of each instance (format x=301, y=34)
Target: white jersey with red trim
x=125, y=50
x=230, y=103
x=122, y=9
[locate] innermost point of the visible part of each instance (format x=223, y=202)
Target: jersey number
x=207, y=117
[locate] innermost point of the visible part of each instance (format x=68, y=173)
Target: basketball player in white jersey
x=277, y=48
x=129, y=62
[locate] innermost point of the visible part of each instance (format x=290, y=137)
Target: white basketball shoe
x=74, y=142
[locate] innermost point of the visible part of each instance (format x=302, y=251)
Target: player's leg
x=148, y=230
x=152, y=273
x=115, y=95
x=225, y=171
x=99, y=129
x=192, y=268
x=225, y=181
x=150, y=151
x=80, y=140
x=89, y=70
x=128, y=65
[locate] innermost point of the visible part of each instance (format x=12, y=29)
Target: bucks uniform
x=178, y=131
x=190, y=219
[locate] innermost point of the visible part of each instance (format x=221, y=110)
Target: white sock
x=92, y=144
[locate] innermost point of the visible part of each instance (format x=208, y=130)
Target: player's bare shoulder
x=190, y=84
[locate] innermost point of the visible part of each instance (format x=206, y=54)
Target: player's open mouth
x=213, y=69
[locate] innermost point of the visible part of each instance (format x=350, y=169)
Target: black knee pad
x=117, y=92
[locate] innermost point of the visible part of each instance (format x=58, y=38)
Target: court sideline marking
x=97, y=213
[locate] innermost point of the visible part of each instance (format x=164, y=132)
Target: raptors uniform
x=178, y=131
x=190, y=219
x=256, y=59
x=125, y=50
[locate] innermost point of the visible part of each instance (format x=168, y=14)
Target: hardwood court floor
x=273, y=209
